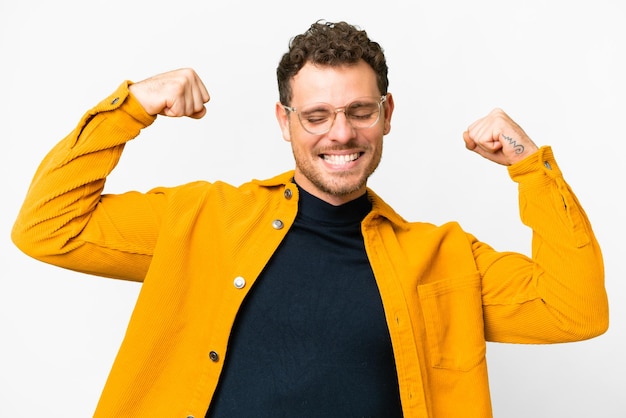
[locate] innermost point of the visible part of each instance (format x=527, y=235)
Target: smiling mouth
x=341, y=159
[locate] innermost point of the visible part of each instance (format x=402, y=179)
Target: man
x=306, y=295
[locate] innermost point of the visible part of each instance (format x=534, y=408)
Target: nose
x=341, y=130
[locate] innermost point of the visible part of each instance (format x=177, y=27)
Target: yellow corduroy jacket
x=199, y=247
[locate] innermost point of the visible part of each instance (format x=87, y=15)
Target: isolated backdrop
x=557, y=67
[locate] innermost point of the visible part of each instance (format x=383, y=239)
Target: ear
x=388, y=106
x=282, y=116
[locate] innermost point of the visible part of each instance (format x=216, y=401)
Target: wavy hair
x=330, y=44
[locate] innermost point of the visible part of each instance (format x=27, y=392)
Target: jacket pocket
x=453, y=318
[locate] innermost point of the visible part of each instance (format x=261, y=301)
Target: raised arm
x=66, y=219
x=558, y=293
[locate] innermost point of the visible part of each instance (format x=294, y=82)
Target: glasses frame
x=379, y=102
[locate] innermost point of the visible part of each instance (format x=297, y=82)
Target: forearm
x=558, y=294
x=68, y=184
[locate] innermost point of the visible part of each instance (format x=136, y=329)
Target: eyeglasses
x=318, y=118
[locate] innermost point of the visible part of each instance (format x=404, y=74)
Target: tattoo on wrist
x=518, y=148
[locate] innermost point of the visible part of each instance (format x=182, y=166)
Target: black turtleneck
x=311, y=338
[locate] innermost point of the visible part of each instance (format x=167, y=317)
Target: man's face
x=335, y=166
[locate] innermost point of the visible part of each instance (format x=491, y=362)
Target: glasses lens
x=316, y=118
x=363, y=113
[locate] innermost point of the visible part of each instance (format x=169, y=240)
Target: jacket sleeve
x=65, y=219
x=558, y=294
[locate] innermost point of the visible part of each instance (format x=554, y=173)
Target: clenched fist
x=174, y=93
x=498, y=138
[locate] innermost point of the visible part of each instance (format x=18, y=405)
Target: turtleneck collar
x=315, y=208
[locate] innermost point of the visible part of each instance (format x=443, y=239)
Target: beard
x=340, y=183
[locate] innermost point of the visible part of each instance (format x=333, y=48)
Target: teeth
x=340, y=159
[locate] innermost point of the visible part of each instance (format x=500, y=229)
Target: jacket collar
x=379, y=207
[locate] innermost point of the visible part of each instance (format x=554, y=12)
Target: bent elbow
x=30, y=241
x=599, y=326
x=593, y=323
x=23, y=240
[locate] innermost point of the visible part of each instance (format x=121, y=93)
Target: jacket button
x=277, y=224
x=239, y=282
x=214, y=356
x=114, y=101
x=288, y=193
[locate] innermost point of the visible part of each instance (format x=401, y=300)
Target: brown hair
x=331, y=44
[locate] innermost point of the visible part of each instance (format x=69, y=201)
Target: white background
x=557, y=67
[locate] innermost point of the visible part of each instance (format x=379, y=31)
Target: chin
x=346, y=189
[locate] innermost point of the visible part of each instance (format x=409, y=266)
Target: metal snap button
x=239, y=282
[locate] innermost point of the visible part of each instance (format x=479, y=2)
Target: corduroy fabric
x=444, y=292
